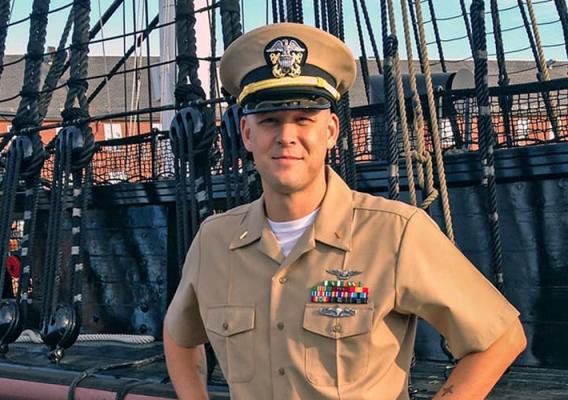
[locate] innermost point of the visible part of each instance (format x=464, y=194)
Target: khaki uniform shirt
x=239, y=292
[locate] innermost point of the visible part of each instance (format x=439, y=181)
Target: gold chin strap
x=308, y=81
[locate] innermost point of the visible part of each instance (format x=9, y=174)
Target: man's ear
x=332, y=130
x=245, y=132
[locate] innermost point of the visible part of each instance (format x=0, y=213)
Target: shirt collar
x=332, y=225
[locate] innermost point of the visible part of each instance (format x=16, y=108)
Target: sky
x=256, y=14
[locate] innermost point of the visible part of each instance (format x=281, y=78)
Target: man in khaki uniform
x=313, y=291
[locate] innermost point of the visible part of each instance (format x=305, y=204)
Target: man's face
x=289, y=147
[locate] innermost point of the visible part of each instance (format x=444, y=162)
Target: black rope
x=342, y=155
x=504, y=101
x=384, y=24
x=563, y=13
x=188, y=83
x=299, y=17
x=45, y=97
x=193, y=130
x=149, y=80
x=391, y=116
x=298, y=11
x=275, y=11
x=74, y=149
x=4, y=19
x=281, y=10
x=27, y=243
x=31, y=16
x=78, y=59
x=416, y=35
x=213, y=81
x=231, y=21
x=122, y=61
x=9, y=187
x=56, y=70
x=317, y=14
x=437, y=35
x=25, y=156
x=340, y=21
x=332, y=17
x=242, y=182
x=363, y=58
x=486, y=136
x=122, y=392
x=324, y=24
x=28, y=109
x=16, y=61
x=291, y=11
x=110, y=367
x=371, y=36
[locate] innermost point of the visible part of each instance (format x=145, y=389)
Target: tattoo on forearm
x=447, y=390
x=201, y=366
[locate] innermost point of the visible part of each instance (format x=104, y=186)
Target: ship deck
x=26, y=373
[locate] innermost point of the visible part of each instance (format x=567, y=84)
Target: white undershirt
x=289, y=232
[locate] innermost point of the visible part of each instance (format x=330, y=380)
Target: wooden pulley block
x=10, y=323
x=61, y=331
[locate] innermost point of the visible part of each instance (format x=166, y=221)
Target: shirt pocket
x=231, y=333
x=337, y=348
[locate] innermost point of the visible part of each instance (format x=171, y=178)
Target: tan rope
x=542, y=61
x=536, y=32
x=402, y=111
x=421, y=156
x=435, y=132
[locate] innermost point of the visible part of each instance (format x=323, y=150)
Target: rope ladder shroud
x=402, y=108
x=436, y=140
x=71, y=182
x=341, y=156
x=193, y=130
x=486, y=136
x=391, y=118
x=422, y=157
x=25, y=159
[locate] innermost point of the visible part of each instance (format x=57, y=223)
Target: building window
x=447, y=132
x=117, y=177
x=522, y=128
x=113, y=131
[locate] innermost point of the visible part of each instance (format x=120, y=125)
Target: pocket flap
x=359, y=322
x=228, y=320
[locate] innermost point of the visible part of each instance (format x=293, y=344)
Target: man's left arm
x=476, y=373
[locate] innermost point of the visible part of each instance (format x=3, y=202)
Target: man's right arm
x=187, y=367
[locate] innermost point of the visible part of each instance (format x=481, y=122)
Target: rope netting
x=529, y=122
x=148, y=157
